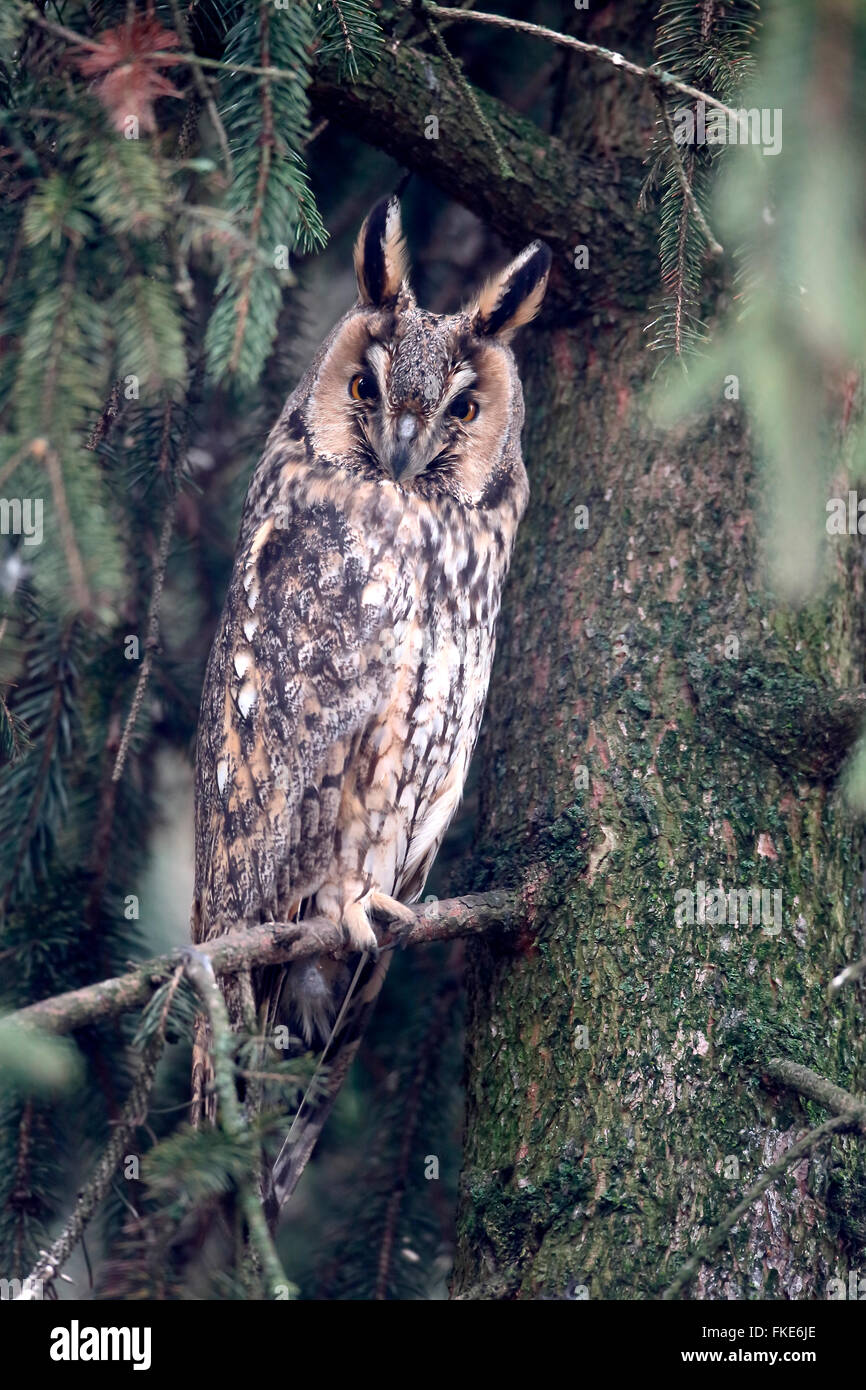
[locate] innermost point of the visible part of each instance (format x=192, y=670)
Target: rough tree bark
x=616, y=1104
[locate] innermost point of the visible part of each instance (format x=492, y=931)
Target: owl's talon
x=399, y=918
x=359, y=933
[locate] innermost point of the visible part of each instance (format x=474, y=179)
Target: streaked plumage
x=347, y=680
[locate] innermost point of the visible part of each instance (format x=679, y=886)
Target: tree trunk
x=657, y=722
x=659, y=726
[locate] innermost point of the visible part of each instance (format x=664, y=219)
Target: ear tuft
x=513, y=297
x=381, y=260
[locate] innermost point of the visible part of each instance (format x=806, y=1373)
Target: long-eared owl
x=348, y=676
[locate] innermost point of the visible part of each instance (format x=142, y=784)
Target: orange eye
x=463, y=408
x=362, y=388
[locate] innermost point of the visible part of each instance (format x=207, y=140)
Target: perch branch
x=715, y=247
x=270, y=944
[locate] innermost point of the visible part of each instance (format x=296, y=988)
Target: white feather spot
x=250, y=626
x=222, y=774
x=374, y=594
x=247, y=698
x=252, y=600
x=242, y=662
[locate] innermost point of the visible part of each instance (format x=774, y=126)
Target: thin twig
x=607, y=55
x=152, y=637
x=851, y=1115
x=36, y=447
x=318, y=129
x=204, y=90
x=459, y=76
x=107, y=416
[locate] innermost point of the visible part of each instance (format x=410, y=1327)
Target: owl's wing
x=302, y=660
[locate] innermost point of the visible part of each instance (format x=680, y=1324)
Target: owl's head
x=430, y=402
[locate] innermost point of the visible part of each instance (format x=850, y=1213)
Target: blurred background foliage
x=176, y=240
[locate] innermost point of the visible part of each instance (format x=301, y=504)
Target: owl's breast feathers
x=344, y=691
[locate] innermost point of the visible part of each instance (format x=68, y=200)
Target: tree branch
x=552, y=193
x=814, y=1087
x=655, y=75
x=269, y=944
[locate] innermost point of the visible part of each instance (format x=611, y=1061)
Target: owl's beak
x=403, y=450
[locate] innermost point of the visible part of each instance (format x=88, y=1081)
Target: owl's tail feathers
x=343, y=1043
x=310, y=987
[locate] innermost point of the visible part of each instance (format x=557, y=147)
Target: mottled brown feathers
x=347, y=679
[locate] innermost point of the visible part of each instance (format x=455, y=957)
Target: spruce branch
x=713, y=244
x=51, y=716
x=270, y=200
x=709, y=43
x=203, y=89
x=266, y=146
x=271, y=943
x=351, y=29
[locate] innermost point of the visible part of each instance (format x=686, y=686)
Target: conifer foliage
x=154, y=200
